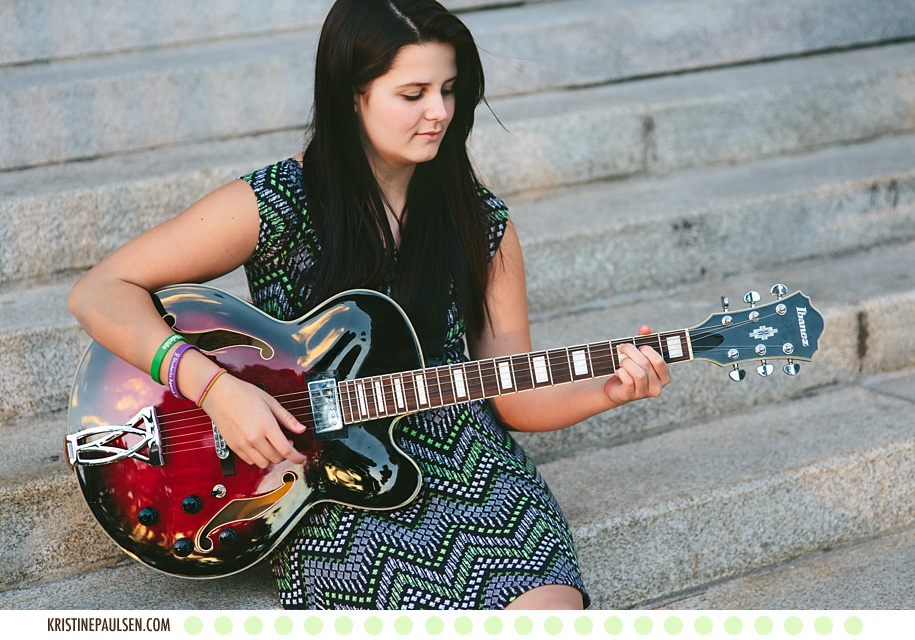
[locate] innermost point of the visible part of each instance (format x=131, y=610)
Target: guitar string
x=602, y=355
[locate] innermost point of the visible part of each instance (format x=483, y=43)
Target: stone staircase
x=655, y=154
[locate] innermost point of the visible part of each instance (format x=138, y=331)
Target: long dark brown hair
x=444, y=235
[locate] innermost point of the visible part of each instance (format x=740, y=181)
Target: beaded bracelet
x=208, y=386
x=173, y=369
x=160, y=356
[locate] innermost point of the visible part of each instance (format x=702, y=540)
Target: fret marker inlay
x=459, y=389
x=540, y=371
x=505, y=375
x=674, y=347
x=360, y=396
x=420, y=389
x=398, y=393
x=580, y=362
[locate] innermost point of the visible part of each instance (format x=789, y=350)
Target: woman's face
x=404, y=113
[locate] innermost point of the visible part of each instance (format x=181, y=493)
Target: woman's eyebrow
x=424, y=84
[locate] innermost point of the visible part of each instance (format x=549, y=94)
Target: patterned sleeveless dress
x=483, y=529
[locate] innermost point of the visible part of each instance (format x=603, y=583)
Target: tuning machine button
x=765, y=369
x=792, y=368
x=779, y=291
x=752, y=297
x=737, y=374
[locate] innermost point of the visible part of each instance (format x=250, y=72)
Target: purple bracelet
x=173, y=369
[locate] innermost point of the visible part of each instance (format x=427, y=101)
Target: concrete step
x=97, y=106
x=656, y=234
x=63, y=29
x=871, y=574
x=653, y=518
x=46, y=533
x=647, y=128
x=721, y=498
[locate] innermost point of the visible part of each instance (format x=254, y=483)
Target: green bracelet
x=170, y=342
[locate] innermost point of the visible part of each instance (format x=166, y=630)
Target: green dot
x=643, y=625
x=854, y=625
x=793, y=625
x=435, y=625
x=223, y=625
x=403, y=625
x=733, y=625
x=194, y=625
x=553, y=626
x=343, y=625
x=703, y=625
x=673, y=625
x=822, y=625
x=463, y=625
x=613, y=625
x=373, y=625
x=583, y=625
x=524, y=625
x=313, y=625
x=254, y=625
x=763, y=625
x=493, y=625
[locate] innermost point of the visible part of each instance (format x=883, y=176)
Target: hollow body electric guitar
x=162, y=483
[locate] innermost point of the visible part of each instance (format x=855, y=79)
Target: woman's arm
x=642, y=374
x=112, y=303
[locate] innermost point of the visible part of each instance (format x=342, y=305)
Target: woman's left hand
x=642, y=373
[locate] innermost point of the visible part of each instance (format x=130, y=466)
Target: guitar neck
x=397, y=394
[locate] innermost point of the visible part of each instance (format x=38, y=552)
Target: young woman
x=383, y=197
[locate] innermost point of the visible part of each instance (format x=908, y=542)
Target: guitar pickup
x=326, y=412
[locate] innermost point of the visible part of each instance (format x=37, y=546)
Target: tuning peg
x=779, y=291
x=765, y=369
x=792, y=368
x=751, y=298
x=737, y=374
x=725, y=303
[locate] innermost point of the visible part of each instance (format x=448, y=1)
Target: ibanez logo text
x=801, y=312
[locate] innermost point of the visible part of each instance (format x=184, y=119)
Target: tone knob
x=228, y=537
x=191, y=505
x=148, y=516
x=183, y=547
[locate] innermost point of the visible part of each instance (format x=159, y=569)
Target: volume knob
x=228, y=537
x=148, y=516
x=192, y=504
x=183, y=547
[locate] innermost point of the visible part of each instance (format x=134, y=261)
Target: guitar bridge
x=91, y=447
x=325, y=407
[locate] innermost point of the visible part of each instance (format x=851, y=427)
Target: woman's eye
x=414, y=98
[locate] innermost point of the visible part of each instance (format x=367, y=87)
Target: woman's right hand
x=251, y=422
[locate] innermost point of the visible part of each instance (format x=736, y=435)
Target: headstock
x=787, y=329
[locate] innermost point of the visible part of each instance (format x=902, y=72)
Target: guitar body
x=188, y=512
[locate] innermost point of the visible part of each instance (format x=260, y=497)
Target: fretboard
x=396, y=394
